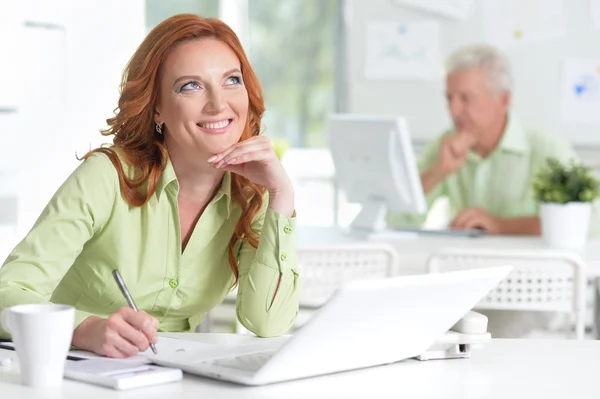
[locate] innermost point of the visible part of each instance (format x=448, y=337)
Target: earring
x=159, y=129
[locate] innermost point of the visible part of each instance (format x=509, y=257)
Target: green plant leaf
x=561, y=183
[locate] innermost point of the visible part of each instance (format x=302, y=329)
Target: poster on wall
x=456, y=9
x=509, y=23
x=580, y=91
x=397, y=50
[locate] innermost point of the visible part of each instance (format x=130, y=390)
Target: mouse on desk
x=471, y=323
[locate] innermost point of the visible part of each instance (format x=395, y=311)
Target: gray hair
x=491, y=60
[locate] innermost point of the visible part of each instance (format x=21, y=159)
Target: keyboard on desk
x=248, y=362
x=443, y=232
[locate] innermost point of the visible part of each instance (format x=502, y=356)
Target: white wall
x=60, y=81
x=105, y=34
x=537, y=70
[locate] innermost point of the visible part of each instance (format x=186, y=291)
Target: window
x=292, y=46
x=295, y=48
x=159, y=10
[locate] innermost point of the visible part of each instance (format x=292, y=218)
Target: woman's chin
x=216, y=145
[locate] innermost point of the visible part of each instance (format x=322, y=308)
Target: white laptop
x=364, y=324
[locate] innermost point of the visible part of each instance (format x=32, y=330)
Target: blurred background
x=61, y=64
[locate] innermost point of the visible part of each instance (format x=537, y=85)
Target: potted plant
x=565, y=193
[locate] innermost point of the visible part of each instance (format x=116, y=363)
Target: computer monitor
x=375, y=165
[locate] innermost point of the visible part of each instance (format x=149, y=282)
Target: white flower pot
x=565, y=225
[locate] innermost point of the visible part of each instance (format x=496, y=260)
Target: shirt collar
x=225, y=191
x=168, y=178
x=513, y=140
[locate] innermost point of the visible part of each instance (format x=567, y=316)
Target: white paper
x=457, y=9
x=595, y=13
x=106, y=366
x=580, y=92
x=402, y=50
x=164, y=346
x=514, y=23
x=171, y=345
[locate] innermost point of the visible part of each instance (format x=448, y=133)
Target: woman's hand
x=255, y=159
x=125, y=333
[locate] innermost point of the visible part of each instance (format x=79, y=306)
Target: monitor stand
x=370, y=224
x=371, y=218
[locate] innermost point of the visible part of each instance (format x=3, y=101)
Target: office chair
x=542, y=280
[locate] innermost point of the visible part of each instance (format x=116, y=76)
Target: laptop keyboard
x=250, y=362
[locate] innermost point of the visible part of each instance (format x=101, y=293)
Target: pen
x=128, y=297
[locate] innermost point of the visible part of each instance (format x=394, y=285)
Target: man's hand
x=454, y=151
x=477, y=218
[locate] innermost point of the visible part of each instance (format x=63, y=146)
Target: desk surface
x=415, y=249
x=501, y=369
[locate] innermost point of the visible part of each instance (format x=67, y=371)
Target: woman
x=189, y=201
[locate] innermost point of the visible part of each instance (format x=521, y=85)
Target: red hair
x=133, y=124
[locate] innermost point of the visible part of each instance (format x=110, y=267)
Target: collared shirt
x=88, y=229
x=500, y=183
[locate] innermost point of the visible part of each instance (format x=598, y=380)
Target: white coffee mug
x=42, y=336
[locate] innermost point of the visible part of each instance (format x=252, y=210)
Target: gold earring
x=158, y=128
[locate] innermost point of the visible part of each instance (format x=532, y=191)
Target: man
x=486, y=162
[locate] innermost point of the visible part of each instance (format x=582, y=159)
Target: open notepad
x=120, y=374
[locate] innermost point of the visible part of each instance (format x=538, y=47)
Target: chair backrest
x=542, y=280
x=326, y=268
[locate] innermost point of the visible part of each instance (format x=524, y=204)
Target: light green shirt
x=88, y=229
x=500, y=183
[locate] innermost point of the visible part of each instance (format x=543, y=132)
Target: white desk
x=501, y=369
x=415, y=250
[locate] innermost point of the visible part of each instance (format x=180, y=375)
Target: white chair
x=324, y=269
x=542, y=280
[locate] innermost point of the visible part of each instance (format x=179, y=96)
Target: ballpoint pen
x=128, y=297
